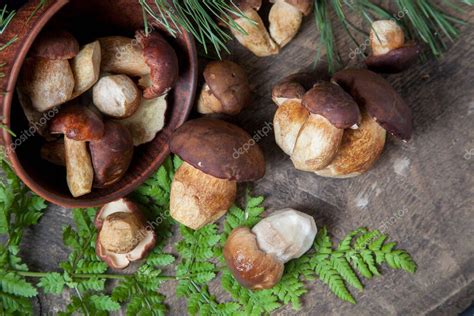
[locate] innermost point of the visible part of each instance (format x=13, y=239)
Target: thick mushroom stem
x=386, y=35
x=80, y=174
x=197, y=198
x=285, y=22
x=120, y=232
x=254, y=35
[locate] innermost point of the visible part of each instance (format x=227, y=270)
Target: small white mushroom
x=117, y=96
x=286, y=234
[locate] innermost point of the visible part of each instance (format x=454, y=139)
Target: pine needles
x=201, y=18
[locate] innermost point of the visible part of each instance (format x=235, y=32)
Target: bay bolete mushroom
x=117, y=96
x=216, y=156
x=390, y=53
x=123, y=234
x=79, y=125
x=256, y=257
x=55, y=44
x=226, y=90
x=111, y=154
x=316, y=130
x=286, y=17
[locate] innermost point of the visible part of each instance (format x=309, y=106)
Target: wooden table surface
x=421, y=192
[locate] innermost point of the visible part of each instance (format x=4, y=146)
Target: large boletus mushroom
x=123, y=234
x=257, y=257
x=337, y=148
x=390, y=53
x=226, y=90
x=79, y=125
x=216, y=156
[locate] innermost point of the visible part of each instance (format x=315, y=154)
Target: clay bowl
x=87, y=20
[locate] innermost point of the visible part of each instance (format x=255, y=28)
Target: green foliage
x=19, y=209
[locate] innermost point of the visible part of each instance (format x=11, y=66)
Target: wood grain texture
x=421, y=192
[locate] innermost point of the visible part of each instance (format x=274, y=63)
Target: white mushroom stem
x=285, y=22
x=197, y=198
x=286, y=234
x=80, y=174
x=254, y=35
x=386, y=35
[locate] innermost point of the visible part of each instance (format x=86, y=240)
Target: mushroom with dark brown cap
x=216, y=155
x=256, y=257
x=55, y=44
x=111, y=154
x=226, y=90
x=123, y=234
x=310, y=129
x=79, y=125
x=286, y=17
x=390, y=53
x=316, y=132
x=292, y=87
x=380, y=99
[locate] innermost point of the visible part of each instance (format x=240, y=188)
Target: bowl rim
x=49, y=196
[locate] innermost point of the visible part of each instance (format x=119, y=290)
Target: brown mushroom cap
x=305, y=6
x=395, y=60
x=252, y=267
x=292, y=87
x=77, y=122
x=55, y=44
x=146, y=234
x=331, y=101
x=382, y=102
x=163, y=63
x=111, y=155
x=229, y=84
x=219, y=149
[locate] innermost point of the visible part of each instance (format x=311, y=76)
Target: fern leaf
x=14, y=284
x=53, y=283
x=343, y=267
x=335, y=282
x=368, y=257
x=104, y=303
x=345, y=244
x=377, y=243
x=360, y=265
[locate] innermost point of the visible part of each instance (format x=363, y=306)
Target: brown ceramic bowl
x=87, y=20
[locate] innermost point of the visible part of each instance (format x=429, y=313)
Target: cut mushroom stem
x=253, y=35
x=285, y=22
x=80, y=174
x=386, y=35
x=124, y=235
x=256, y=257
x=197, y=198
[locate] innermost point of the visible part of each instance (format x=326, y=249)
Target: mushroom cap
x=77, y=122
x=395, y=60
x=360, y=149
x=252, y=267
x=111, y=155
x=147, y=234
x=286, y=234
x=386, y=35
x=220, y=149
x=292, y=87
x=331, y=101
x=163, y=63
x=229, y=84
x=382, y=102
x=55, y=44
